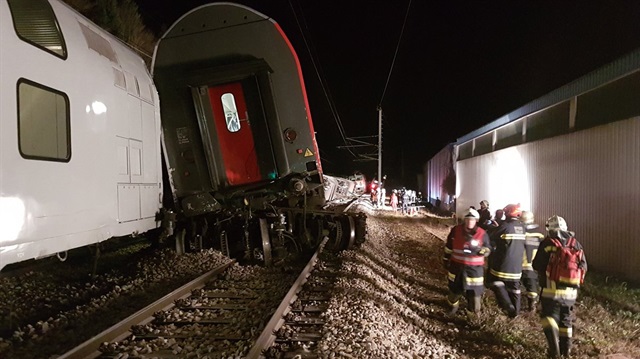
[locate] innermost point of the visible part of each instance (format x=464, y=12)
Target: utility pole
x=380, y=143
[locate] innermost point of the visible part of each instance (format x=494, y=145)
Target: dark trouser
x=529, y=281
x=474, y=301
x=457, y=290
x=508, y=295
x=557, y=323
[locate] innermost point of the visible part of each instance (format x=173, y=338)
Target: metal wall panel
x=590, y=177
x=435, y=172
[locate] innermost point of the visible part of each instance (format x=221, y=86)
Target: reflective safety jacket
x=464, y=255
x=507, y=242
x=533, y=237
x=562, y=293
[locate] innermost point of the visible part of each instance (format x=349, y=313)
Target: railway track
x=221, y=314
x=296, y=327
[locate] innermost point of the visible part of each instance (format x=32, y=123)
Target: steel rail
x=266, y=339
x=90, y=348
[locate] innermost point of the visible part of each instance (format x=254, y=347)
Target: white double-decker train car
x=79, y=133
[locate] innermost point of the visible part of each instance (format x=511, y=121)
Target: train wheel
x=361, y=228
x=349, y=237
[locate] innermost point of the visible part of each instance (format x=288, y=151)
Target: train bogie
x=79, y=156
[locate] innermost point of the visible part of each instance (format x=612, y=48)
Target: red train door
x=235, y=137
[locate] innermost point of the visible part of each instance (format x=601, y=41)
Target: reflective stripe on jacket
x=465, y=246
x=508, y=250
x=533, y=237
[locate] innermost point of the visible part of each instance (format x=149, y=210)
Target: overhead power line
x=325, y=89
x=395, y=54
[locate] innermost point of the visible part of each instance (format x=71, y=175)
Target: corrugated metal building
x=574, y=152
x=435, y=173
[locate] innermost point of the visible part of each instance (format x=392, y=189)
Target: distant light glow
x=508, y=180
x=12, y=213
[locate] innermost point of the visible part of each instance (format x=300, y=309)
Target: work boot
x=552, y=341
x=532, y=303
x=502, y=297
x=565, y=346
x=476, y=304
x=454, y=303
x=514, y=297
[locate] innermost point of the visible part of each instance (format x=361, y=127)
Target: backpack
x=564, y=264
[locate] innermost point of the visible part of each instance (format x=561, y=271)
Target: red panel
x=238, y=150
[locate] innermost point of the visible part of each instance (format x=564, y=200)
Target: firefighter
x=498, y=218
x=505, y=264
x=394, y=200
x=464, y=256
x=558, y=296
x=485, y=214
x=404, y=195
x=529, y=280
x=374, y=193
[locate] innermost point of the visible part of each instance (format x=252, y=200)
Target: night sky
x=459, y=66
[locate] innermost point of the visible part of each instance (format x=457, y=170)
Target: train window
x=230, y=112
x=118, y=79
x=132, y=84
x=145, y=89
x=36, y=23
x=98, y=43
x=43, y=122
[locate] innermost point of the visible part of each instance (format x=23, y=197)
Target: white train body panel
x=109, y=183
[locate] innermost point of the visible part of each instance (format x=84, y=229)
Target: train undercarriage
x=268, y=237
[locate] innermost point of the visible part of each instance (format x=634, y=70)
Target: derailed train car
x=240, y=148
x=80, y=137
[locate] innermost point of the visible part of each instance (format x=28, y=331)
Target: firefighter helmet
x=471, y=213
x=526, y=217
x=555, y=223
x=512, y=210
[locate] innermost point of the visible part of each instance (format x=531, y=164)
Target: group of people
x=406, y=200
x=550, y=267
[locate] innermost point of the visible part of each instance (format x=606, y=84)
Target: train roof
x=608, y=73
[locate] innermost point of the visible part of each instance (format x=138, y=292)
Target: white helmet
x=472, y=213
x=526, y=217
x=556, y=223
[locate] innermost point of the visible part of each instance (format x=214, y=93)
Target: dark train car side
x=237, y=131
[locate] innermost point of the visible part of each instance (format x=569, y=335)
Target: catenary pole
x=380, y=144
